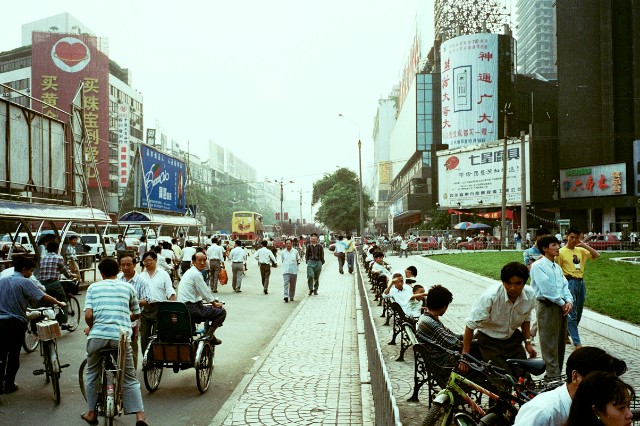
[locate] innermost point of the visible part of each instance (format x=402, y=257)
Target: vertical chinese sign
x=60, y=62
x=469, y=82
x=124, y=122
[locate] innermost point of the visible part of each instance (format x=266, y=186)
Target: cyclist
x=552, y=407
x=110, y=306
x=16, y=292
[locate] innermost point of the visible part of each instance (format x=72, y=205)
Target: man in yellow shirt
x=572, y=259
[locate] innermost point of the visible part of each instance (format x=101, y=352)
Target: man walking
x=340, y=249
x=551, y=289
x=237, y=256
x=265, y=258
x=187, y=253
x=404, y=245
x=289, y=259
x=315, y=260
x=351, y=253
x=572, y=260
x=215, y=254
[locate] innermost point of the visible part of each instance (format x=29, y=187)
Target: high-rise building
x=537, y=38
x=460, y=17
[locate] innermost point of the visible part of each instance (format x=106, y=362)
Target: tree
x=340, y=204
x=437, y=219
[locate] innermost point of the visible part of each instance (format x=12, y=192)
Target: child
x=416, y=302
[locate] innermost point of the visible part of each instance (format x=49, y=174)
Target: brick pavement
x=465, y=289
x=310, y=374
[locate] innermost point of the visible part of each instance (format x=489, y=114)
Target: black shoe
x=310, y=292
x=292, y=299
x=238, y=291
x=11, y=389
x=315, y=292
x=286, y=300
x=215, y=291
x=265, y=291
x=342, y=272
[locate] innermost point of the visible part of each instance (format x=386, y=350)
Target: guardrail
x=386, y=409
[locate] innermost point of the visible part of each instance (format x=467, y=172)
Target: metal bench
x=400, y=319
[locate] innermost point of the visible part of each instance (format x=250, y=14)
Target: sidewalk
x=310, y=373
x=466, y=288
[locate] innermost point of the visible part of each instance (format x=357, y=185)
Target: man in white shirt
x=160, y=290
x=215, y=254
x=340, y=249
x=404, y=245
x=193, y=291
x=552, y=408
x=378, y=266
x=237, y=256
x=187, y=254
x=398, y=290
x=265, y=258
x=290, y=261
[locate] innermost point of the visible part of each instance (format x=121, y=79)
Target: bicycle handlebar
x=44, y=312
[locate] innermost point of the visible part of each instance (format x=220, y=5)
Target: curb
x=366, y=392
x=619, y=331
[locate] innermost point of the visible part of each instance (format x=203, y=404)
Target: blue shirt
x=112, y=302
x=548, y=282
x=530, y=255
x=16, y=292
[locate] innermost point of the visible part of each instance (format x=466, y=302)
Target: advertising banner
x=163, y=181
x=636, y=165
x=593, y=181
x=60, y=62
x=472, y=177
x=469, y=82
x=123, y=146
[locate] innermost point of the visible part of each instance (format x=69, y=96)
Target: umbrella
x=463, y=225
x=478, y=226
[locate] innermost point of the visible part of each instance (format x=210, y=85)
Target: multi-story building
x=536, y=35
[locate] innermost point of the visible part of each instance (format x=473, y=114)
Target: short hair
x=108, y=267
x=151, y=254
x=195, y=256
x=586, y=359
x=22, y=263
x=417, y=287
x=173, y=240
x=378, y=254
x=73, y=237
x=595, y=392
x=189, y=244
x=573, y=230
x=288, y=239
x=143, y=239
x=348, y=236
x=413, y=269
x=313, y=234
x=264, y=243
x=53, y=246
x=512, y=269
x=120, y=235
x=166, y=245
x=122, y=256
x=214, y=241
x=340, y=237
x=546, y=241
x=156, y=248
x=238, y=243
x=542, y=232
x=438, y=297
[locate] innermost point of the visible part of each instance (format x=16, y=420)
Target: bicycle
x=111, y=379
x=73, y=305
x=507, y=395
x=47, y=329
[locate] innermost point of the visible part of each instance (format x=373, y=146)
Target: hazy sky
x=266, y=79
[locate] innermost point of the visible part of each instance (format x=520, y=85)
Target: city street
x=252, y=321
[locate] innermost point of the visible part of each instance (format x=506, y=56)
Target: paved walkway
x=466, y=288
x=310, y=374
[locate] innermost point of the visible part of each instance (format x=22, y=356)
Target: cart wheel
x=152, y=372
x=204, y=365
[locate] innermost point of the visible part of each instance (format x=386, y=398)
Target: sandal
x=91, y=422
x=142, y=422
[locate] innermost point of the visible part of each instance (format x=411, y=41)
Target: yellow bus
x=246, y=227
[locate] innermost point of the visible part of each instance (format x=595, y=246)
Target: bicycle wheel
x=31, y=341
x=438, y=414
x=81, y=378
x=51, y=363
x=204, y=366
x=73, y=308
x=152, y=372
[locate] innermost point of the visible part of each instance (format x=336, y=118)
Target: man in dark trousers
x=315, y=260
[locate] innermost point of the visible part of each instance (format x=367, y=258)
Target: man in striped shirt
x=110, y=306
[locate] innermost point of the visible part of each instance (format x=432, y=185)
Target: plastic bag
x=223, y=277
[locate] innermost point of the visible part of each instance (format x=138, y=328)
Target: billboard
x=123, y=146
x=469, y=80
x=593, y=181
x=60, y=62
x=472, y=177
x=163, y=181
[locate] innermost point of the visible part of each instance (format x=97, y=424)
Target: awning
x=156, y=219
x=409, y=214
x=35, y=211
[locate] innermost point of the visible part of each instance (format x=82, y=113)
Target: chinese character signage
x=593, y=181
x=60, y=63
x=469, y=82
x=472, y=177
x=163, y=181
x=636, y=165
x=123, y=146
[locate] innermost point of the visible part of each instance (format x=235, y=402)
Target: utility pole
x=503, y=215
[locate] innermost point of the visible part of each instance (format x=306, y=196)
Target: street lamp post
x=281, y=182
x=361, y=230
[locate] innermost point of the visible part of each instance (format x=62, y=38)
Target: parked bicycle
x=47, y=330
x=111, y=379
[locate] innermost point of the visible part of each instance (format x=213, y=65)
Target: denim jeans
x=350, y=258
x=579, y=293
x=314, y=267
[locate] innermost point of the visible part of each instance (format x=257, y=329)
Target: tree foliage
x=340, y=204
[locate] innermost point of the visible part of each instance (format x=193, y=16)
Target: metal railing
x=386, y=409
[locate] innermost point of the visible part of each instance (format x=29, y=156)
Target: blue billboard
x=163, y=181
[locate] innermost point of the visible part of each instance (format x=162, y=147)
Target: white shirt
x=192, y=287
x=376, y=267
x=168, y=254
x=289, y=260
x=187, y=253
x=264, y=255
x=160, y=286
x=215, y=252
x=495, y=315
x=340, y=246
x=238, y=254
x=404, y=245
x=401, y=297
x=547, y=409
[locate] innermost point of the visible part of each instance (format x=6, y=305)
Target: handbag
x=223, y=277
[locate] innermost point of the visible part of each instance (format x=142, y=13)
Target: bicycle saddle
x=535, y=366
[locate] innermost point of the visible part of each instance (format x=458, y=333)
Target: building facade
x=537, y=47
